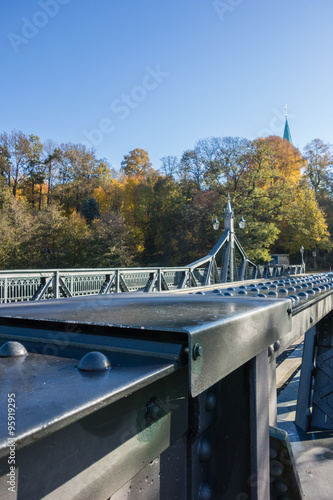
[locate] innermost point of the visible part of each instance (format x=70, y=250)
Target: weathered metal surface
x=18, y=286
x=215, y=323
x=284, y=478
x=166, y=394
x=96, y=454
x=52, y=392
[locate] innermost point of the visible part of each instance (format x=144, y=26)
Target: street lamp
x=302, y=253
x=216, y=224
x=242, y=223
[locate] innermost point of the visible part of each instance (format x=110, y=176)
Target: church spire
x=286, y=133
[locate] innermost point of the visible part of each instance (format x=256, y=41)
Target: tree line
x=61, y=206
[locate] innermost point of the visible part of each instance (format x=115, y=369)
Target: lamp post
x=229, y=267
x=216, y=224
x=228, y=245
x=302, y=254
x=241, y=223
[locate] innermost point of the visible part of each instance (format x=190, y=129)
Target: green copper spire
x=286, y=133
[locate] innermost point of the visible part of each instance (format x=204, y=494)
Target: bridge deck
x=187, y=369
x=313, y=450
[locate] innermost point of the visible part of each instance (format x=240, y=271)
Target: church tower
x=286, y=133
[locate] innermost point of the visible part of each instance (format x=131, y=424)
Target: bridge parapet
x=21, y=286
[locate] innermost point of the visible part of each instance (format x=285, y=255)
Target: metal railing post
x=56, y=285
x=117, y=281
x=5, y=290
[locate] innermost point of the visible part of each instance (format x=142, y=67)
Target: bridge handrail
x=37, y=284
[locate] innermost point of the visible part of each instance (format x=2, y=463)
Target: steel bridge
x=162, y=395
x=165, y=392
x=17, y=286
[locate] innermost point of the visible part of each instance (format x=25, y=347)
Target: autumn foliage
x=61, y=206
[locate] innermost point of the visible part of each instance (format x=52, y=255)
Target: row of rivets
x=92, y=361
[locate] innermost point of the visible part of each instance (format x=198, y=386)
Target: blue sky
x=160, y=75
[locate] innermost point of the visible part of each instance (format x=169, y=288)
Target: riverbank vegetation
x=62, y=206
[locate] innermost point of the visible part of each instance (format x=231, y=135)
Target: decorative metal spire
x=286, y=133
x=229, y=216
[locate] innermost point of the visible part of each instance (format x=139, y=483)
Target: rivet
x=197, y=351
x=94, y=362
x=205, y=492
x=280, y=486
x=210, y=403
x=11, y=349
x=204, y=450
x=277, y=345
x=276, y=470
x=320, y=403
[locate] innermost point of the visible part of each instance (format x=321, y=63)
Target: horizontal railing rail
x=24, y=285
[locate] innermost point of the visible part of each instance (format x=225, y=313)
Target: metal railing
x=20, y=286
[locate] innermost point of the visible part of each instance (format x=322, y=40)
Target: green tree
x=110, y=243
x=90, y=209
x=79, y=173
x=191, y=166
x=35, y=170
x=319, y=164
x=74, y=241
x=17, y=228
x=50, y=226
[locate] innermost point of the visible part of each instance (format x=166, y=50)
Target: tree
x=52, y=158
x=111, y=242
x=224, y=160
x=170, y=165
x=79, y=174
x=319, y=163
x=192, y=167
x=17, y=228
x=5, y=163
x=136, y=162
x=270, y=194
x=50, y=226
x=14, y=152
x=90, y=209
x=74, y=241
x=34, y=169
